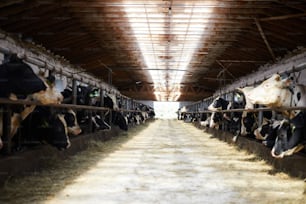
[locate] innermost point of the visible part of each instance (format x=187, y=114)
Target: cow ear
x=41, y=73
x=284, y=124
x=277, y=77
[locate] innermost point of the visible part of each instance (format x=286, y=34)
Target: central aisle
x=173, y=162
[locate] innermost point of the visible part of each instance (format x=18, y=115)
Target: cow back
x=18, y=78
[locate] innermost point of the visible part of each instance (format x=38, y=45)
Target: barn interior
x=145, y=55
x=162, y=50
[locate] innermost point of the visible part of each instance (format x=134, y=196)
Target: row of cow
x=40, y=124
x=282, y=130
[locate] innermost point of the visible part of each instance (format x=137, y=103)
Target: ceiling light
x=154, y=39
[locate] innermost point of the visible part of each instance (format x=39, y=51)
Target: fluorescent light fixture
x=168, y=40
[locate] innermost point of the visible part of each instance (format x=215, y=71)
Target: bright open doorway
x=166, y=110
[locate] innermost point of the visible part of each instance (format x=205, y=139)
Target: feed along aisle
x=174, y=162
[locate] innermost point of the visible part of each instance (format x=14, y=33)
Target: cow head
x=262, y=132
x=281, y=142
x=248, y=123
x=219, y=104
x=110, y=101
x=206, y=122
x=119, y=120
x=72, y=123
x=273, y=92
x=99, y=123
x=59, y=133
x=298, y=98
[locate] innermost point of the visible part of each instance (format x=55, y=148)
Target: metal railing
x=7, y=112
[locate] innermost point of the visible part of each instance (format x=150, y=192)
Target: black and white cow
x=217, y=117
x=205, y=119
x=18, y=81
x=181, y=113
x=291, y=136
x=118, y=119
x=44, y=125
x=87, y=95
x=72, y=122
x=249, y=119
x=277, y=92
x=231, y=119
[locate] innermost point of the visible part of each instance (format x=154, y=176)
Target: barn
x=152, y=101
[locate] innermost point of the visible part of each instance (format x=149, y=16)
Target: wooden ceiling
x=219, y=41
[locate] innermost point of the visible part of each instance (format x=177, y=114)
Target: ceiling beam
x=4, y=3
x=242, y=61
x=284, y=17
x=264, y=39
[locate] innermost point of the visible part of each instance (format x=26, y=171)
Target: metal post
x=74, y=91
x=126, y=103
x=90, y=121
x=132, y=104
x=102, y=93
x=260, y=116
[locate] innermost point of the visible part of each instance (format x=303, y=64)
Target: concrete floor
x=172, y=162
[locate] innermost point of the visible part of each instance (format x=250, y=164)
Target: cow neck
x=226, y=105
x=292, y=113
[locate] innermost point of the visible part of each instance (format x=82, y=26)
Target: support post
x=260, y=116
x=90, y=121
x=74, y=91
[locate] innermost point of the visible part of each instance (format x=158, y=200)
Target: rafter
x=264, y=38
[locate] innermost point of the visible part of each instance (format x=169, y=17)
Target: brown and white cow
x=276, y=92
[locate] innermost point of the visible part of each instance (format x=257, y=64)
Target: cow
x=45, y=125
x=72, y=123
x=249, y=120
x=18, y=81
x=181, y=113
x=87, y=95
x=216, y=117
x=278, y=92
x=233, y=120
x=146, y=111
x=117, y=117
x=205, y=119
x=267, y=132
x=290, y=136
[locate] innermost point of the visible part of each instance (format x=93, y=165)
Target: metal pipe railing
x=72, y=106
x=251, y=110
